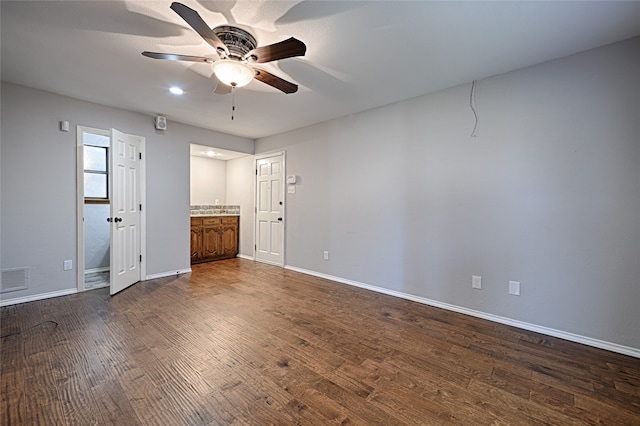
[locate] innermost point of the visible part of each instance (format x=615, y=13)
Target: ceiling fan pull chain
x=233, y=101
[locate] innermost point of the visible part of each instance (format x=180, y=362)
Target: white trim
x=244, y=256
x=601, y=344
x=80, y=260
x=142, y=188
x=167, y=274
x=38, y=297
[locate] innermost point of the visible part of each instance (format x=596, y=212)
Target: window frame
x=98, y=200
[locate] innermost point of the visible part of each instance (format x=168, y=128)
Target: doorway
x=270, y=220
x=110, y=196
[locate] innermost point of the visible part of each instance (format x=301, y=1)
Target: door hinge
x=140, y=155
x=140, y=258
x=256, y=172
x=255, y=247
x=140, y=207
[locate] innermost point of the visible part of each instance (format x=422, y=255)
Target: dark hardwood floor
x=239, y=342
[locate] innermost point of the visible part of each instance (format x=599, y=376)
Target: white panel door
x=124, y=187
x=270, y=210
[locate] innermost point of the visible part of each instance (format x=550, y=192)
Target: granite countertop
x=209, y=210
x=215, y=215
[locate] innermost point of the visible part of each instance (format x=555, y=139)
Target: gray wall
x=240, y=183
x=208, y=181
x=548, y=194
x=38, y=184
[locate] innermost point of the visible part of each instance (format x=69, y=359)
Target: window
x=96, y=172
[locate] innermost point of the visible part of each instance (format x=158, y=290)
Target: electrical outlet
x=514, y=288
x=476, y=282
x=67, y=265
x=326, y=255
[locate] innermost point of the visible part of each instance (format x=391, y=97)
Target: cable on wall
x=472, y=104
x=16, y=333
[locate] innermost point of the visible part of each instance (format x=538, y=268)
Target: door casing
x=80, y=246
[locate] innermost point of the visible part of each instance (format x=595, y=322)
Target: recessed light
x=176, y=90
x=212, y=153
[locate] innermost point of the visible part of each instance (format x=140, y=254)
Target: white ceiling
x=218, y=153
x=360, y=54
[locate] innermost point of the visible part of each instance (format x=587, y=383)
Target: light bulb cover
x=233, y=73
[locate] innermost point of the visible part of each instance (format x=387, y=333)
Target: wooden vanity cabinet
x=214, y=238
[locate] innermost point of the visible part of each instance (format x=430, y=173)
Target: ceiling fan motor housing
x=238, y=41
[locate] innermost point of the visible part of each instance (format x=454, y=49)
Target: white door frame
x=255, y=203
x=80, y=259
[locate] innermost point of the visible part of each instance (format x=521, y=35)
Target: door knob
x=117, y=219
x=280, y=219
x=109, y=219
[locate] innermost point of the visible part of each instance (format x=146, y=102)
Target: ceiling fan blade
x=222, y=89
x=281, y=50
x=174, y=57
x=275, y=81
x=196, y=22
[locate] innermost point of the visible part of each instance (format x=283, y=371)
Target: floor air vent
x=14, y=279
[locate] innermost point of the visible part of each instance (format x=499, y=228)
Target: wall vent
x=14, y=279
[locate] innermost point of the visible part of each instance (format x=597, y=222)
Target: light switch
x=476, y=282
x=514, y=288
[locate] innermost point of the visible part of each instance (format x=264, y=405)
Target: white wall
x=38, y=184
x=208, y=181
x=548, y=194
x=240, y=184
x=97, y=234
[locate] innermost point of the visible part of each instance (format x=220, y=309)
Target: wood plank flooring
x=239, y=342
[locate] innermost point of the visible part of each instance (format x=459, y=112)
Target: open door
x=124, y=187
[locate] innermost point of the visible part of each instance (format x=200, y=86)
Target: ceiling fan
x=237, y=52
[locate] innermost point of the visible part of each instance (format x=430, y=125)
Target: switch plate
x=514, y=288
x=291, y=189
x=326, y=255
x=476, y=282
x=67, y=265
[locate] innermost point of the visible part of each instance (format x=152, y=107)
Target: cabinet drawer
x=229, y=220
x=196, y=221
x=208, y=221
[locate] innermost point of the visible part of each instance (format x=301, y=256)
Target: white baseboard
x=613, y=347
x=35, y=297
x=244, y=256
x=167, y=274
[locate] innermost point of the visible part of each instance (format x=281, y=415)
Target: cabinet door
x=196, y=243
x=230, y=240
x=211, y=242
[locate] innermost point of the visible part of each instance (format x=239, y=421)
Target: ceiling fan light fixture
x=233, y=73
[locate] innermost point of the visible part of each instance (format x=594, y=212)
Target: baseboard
x=35, y=297
x=244, y=256
x=609, y=346
x=167, y=274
